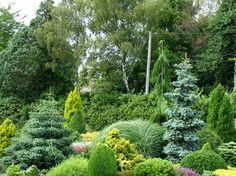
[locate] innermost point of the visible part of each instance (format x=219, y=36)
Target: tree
x=161, y=73
x=8, y=26
x=43, y=142
x=183, y=124
x=74, y=111
x=216, y=100
x=7, y=131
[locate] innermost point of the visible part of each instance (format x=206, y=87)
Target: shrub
x=102, y=161
x=74, y=111
x=203, y=160
x=208, y=136
x=89, y=136
x=223, y=172
x=43, y=141
x=154, y=167
x=126, y=153
x=208, y=173
x=70, y=167
x=7, y=131
x=186, y=172
x=228, y=152
x=14, y=170
x=145, y=135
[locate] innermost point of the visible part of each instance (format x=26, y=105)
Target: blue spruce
x=183, y=119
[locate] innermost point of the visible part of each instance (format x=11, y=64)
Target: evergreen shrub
x=228, y=152
x=155, y=167
x=204, y=159
x=102, y=161
x=71, y=167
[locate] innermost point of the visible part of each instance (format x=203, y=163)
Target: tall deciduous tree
x=183, y=124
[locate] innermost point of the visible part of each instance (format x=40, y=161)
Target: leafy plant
x=145, y=135
x=13, y=170
x=102, y=161
x=126, y=153
x=71, y=167
x=186, y=172
x=155, y=167
x=225, y=172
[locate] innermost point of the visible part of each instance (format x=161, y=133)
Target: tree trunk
x=125, y=77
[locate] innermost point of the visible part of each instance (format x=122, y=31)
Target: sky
x=27, y=7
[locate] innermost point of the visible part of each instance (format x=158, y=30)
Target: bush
x=186, y=172
x=203, y=160
x=102, y=161
x=70, y=167
x=208, y=136
x=14, y=170
x=223, y=172
x=145, y=135
x=126, y=153
x=154, y=167
x=228, y=152
x=7, y=131
x=43, y=141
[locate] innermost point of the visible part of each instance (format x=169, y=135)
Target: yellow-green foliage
x=73, y=106
x=126, y=153
x=7, y=131
x=89, y=136
x=231, y=171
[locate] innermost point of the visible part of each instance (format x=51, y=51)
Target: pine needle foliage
x=183, y=124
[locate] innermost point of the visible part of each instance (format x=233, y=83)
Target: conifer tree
x=8, y=130
x=160, y=73
x=43, y=140
x=225, y=124
x=74, y=111
x=216, y=98
x=183, y=124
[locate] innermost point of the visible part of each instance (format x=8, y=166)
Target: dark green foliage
x=203, y=160
x=220, y=114
x=70, y=167
x=145, y=135
x=202, y=105
x=106, y=109
x=155, y=167
x=183, y=124
x=10, y=107
x=161, y=72
x=208, y=136
x=228, y=152
x=102, y=161
x=43, y=141
x=77, y=122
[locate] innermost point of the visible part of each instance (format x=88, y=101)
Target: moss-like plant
x=126, y=153
x=102, y=161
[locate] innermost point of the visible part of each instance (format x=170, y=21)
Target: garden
x=72, y=82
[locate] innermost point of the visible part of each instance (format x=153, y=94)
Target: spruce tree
x=183, y=123
x=160, y=73
x=74, y=111
x=43, y=140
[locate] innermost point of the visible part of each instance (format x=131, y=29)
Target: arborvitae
x=216, y=98
x=43, y=140
x=8, y=130
x=225, y=124
x=183, y=124
x=160, y=73
x=74, y=109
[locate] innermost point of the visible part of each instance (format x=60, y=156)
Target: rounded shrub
x=155, y=167
x=208, y=136
x=186, y=172
x=71, y=167
x=13, y=170
x=145, y=135
x=102, y=161
x=203, y=160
